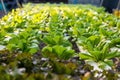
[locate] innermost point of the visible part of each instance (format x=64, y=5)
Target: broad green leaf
x=33, y=50
x=109, y=62
x=104, y=65
x=46, y=51
x=112, y=55
x=59, y=50
x=85, y=56
x=67, y=54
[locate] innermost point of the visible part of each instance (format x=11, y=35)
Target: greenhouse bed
x=59, y=42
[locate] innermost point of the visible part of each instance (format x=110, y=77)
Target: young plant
x=57, y=51
x=98, y=52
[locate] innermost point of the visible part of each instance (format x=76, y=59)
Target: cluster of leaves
x=66, y=31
